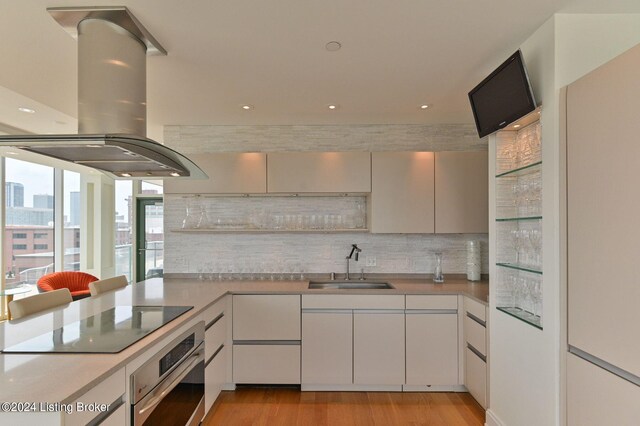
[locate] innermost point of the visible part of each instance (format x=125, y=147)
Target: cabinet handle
x=215, y=320
x=476, y=319
x=477, y=352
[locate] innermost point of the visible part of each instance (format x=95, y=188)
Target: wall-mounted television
x=503, y=97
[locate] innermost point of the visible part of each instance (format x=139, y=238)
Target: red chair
x=76, y=282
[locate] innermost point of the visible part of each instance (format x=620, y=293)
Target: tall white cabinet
x=603, y=129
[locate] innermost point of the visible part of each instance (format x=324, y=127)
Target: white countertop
x=64, y=377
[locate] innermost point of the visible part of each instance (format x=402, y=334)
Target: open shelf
x=519, y=267
x=522, y=315
x=268, y=231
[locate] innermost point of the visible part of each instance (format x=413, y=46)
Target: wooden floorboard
x=281, y=406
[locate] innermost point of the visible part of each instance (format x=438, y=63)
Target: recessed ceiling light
x=27, y=110
x=174, y=174
x=515, y=126
x=332, y=106
x=125, y=174
x=424, y=106
x=333, y=46
x=247, y=107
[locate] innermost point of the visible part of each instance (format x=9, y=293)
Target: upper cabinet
x=328, y=172
x=402, y=192
x=462, y=192
x=229, y=173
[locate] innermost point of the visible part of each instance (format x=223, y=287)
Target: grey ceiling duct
x=112, y=101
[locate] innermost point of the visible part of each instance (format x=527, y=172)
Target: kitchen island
x=62, y=378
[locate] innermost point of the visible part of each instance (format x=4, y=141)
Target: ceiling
x=395, y=56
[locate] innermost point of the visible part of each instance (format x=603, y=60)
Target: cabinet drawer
x=268, y=364
x=117, y=418
x=266, y=317
x=475, y=308
x=214, y=311
x=352, y=301
x=215, y=336
x=432, y=302
x=214, y=378
x=475, y=334
x=105, y=392
x=476, y=377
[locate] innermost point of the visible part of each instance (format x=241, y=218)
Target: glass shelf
x=516, y=219
x=521, y=171
x=522, y=315
x=519, y=267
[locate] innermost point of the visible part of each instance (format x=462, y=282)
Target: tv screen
x=503, y=97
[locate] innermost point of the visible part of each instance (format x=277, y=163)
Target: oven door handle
x=162, y=391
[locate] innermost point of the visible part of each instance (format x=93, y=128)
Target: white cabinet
x=462, y=192
x=215, y=349
x=432, y=340
x=352, y=342
x=402, y=192
x=106, y=392
x=327, y=172
x=266, y=317
x=266, y=339
x=602, y=212
x=264, y=363
x=215, y=373
x=596, y=397
x=475, y=352
x=327, y=347
x=229, y=173
x=378, y=348
x=476, y=376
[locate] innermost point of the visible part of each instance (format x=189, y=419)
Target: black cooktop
x=108, y=332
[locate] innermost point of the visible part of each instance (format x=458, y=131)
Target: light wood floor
x=278, y=406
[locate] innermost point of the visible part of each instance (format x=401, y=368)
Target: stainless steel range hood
x=112, y=108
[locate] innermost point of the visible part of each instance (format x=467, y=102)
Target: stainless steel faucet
x=354, y=249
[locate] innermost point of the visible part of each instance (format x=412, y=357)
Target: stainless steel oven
x=169, y=388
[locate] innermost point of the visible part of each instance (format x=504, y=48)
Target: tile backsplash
x=313, y=252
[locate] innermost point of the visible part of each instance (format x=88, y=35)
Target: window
x=151, y=187
x=29, y=203
x=71, y=213
x=19, y=236
x=38, y=235
x=124, y=221
x=40, y=246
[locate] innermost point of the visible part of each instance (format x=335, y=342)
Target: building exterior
x=14, y=194
x=43, y=201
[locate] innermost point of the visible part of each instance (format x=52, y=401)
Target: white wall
x=527, y=365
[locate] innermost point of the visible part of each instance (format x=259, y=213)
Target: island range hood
x=112, y=107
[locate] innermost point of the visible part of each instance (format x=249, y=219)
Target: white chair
x=40, y=302
x=102, y=286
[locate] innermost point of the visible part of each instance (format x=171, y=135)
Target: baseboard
x=445, y=388
x=351, y=388
x=229, y=387
x=492, y=419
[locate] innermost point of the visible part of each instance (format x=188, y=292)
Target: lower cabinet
x=327, y=347
x=266, y=363
x=432, y=348
x=476, y=376
x=352, y=341
x=215, y=373
x=378, y=348
x=109, y=391
x=597, y=397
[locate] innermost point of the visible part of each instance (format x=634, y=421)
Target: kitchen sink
x=350, y=285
